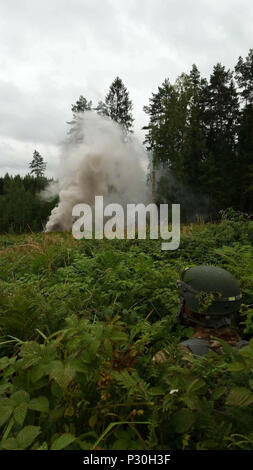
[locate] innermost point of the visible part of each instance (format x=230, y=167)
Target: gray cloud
x=16, y=155
x=53, y=51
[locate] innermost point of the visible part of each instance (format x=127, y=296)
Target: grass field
x=80, y=322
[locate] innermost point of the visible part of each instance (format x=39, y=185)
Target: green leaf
x=111, y=425
x=39, y=404
x=19, y=413
x=27, y=435
x=39, y=371
x=119, y=336
x=5, y=387
x=4, y=362
x=92, y=421
x=192, y=402
x=94, y=348
x=219, y=392
x=6, y=409
x=236, y=366
x=108, y=347
x=247, y=352
x=8, y=428
x=240, y=396
x=156, y=391
x=120, y=444
x=31, y=353
x=43, y=446
x=10, y=444
x=78, y=366
x=251, y=383
x=56, y=391
x=183, y=420
x=20, y=397
x=195, y=385
x=84, y=445
x=63, y=441
x=62, y=374
x=56, y=414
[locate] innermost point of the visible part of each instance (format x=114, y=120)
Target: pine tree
x=102, y=109
x=167, y=110
x=81, y=105
x=162, y=131
x=170, y=126
x=118, y=106
x=244, y=77
x=194, y=139
x=221, y=125
x=37, y=165
x=75, y=133
x=192, y=132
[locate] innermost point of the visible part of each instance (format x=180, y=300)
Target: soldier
x=209, y=301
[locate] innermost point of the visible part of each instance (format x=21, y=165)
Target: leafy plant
x=80, y=323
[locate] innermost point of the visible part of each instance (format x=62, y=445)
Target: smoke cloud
x=96, y=160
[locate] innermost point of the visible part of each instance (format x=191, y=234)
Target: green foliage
x=233, y=215
x=80, y=324
x=180, y=402
x=118, y=105
x=37, y=165
x=81, y=105
x=21, y=209
x=201, y=137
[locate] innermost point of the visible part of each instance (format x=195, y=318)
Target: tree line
x=21, y=208
x=201, y=131
x=199, y=137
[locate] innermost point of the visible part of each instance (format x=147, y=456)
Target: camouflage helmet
x=210, y=290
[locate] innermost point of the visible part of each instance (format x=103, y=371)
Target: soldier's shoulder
x=196, y=346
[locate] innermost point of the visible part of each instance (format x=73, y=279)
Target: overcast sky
x=51, y=51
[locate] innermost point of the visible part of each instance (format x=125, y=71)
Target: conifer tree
x=244, y=77
x=221, y=125
x=75, y=133
x=118, y=105
x=102, y=108
x=192, y=132
x=37, y=165
x=81, y=105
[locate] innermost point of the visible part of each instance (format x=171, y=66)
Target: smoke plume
x=96, y=160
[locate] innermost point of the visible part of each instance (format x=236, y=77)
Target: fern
x=135, y=386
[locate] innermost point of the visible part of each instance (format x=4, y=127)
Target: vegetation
x=37, y=165
x=201, y=132
x=118, y=106
x=80, y=322
x=21, y=208
x=199, y=136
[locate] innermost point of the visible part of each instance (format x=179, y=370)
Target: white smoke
x=97, y=161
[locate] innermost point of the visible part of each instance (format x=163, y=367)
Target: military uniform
x=208, y=297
